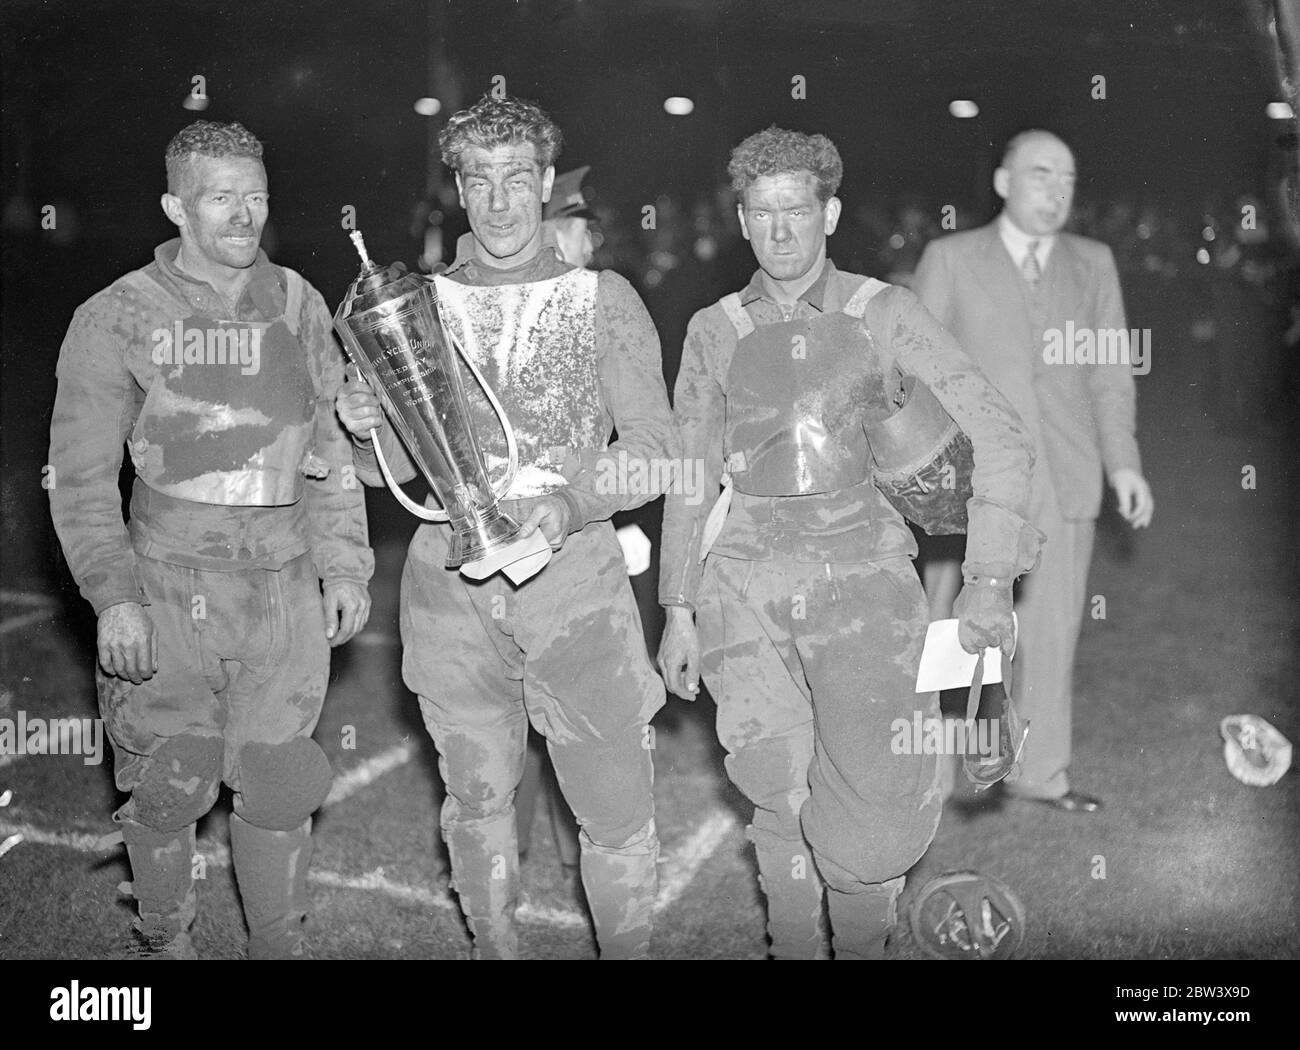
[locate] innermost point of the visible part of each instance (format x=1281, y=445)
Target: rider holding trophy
x=560, y=357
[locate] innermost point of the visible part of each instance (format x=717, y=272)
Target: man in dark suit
x=1014, y=293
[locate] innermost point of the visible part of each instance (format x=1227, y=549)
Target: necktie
x=1030, y=268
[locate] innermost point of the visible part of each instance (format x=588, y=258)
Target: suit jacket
x=1082, y=416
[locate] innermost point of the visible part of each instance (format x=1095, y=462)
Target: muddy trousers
x=565, y=653
x=811, y=666
x=539, y=780
x=242, y=670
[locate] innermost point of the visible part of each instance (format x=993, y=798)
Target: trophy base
x=519, y=559
x=480, y=533
x=489, y=543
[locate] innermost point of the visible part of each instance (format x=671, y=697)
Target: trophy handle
x=512, y=449
x=420, y=512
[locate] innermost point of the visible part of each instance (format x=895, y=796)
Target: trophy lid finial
x=360, y=245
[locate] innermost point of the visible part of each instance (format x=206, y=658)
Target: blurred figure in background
x=912, y=232
x=569, y=216
x=1249, y=321
x=1000, y=290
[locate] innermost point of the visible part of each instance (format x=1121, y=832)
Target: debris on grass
x=1256, y=753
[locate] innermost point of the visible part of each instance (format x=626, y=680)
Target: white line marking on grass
x=678, y=870
x=218, y=856
x=345, y=785
x=69, y=840
x=681, y=867
x=213, y=853
x=379, y=883
x=368, y=772
x=545, y=915
x=376, y=882
x=15, y=623
x=26, y=597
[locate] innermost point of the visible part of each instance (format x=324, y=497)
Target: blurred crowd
x=1235, y=280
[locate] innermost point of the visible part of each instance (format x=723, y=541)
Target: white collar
x=1017, y=242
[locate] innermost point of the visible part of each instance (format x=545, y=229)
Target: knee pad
x=846, y=864
x=179, y=783
x=281, y=785
x=772, y=773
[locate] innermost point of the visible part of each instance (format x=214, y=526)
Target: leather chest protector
x=798, y=396
x=229, y=418
x=536, y=345
x=812, y=408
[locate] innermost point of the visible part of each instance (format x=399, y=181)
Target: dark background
x=93, y=92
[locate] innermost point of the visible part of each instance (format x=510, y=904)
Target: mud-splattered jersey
x=857, y=523
x=228, y=418
x=535, y=344
x=200, y=441
x=577, y=355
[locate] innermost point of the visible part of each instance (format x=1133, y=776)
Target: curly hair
x=777, y=151
x=494, y=122
x=207, y=138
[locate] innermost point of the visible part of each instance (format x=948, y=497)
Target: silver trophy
x=392, y=331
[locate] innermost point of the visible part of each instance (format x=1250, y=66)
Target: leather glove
x=983, y=611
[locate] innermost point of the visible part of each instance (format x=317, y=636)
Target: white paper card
x=946, y=665
x=519, y=559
